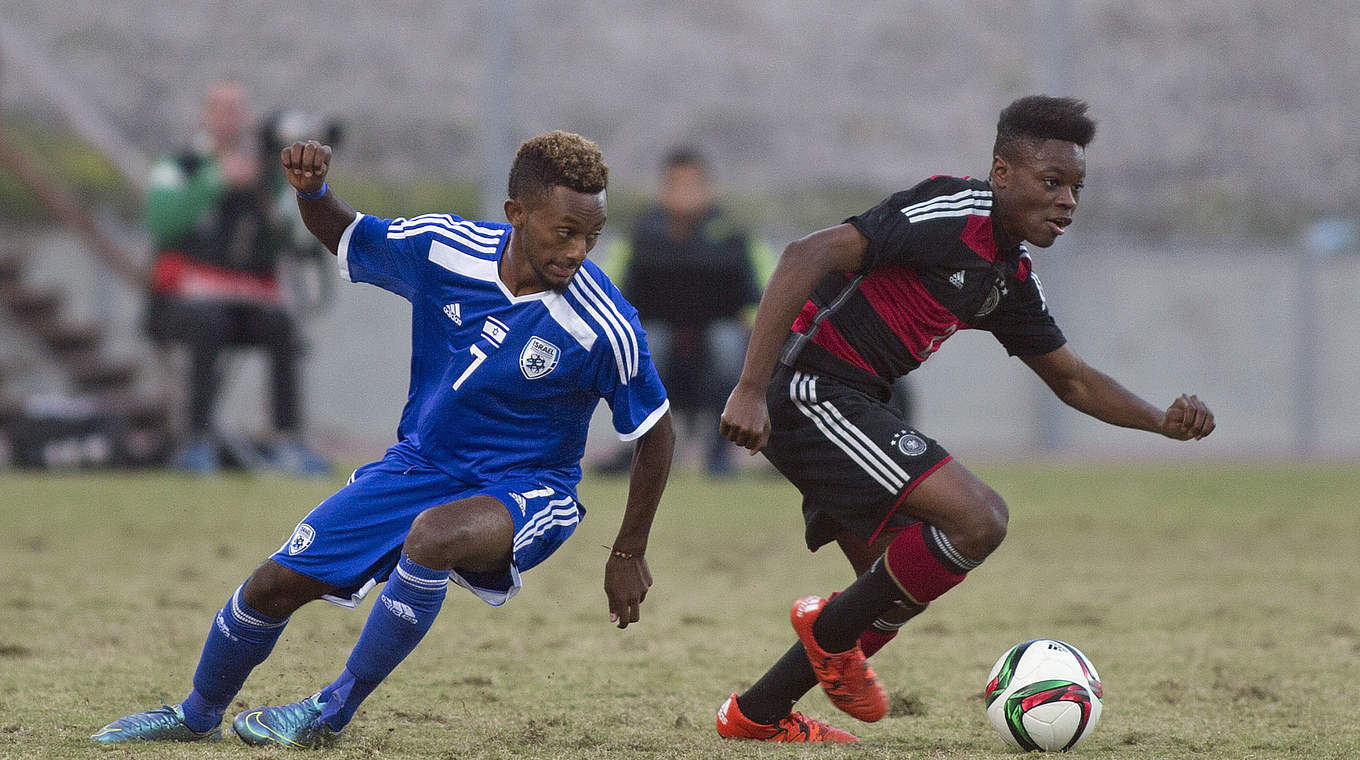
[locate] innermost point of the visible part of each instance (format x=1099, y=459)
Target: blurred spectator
x=218, y=227
x=695, y=277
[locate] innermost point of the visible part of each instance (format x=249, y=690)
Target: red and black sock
x=919, y=566
x=881, y=631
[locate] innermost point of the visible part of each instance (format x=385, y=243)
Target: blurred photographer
x=693, y=272
x=221, y=228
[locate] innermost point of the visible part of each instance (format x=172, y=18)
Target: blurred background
x=1215, y=251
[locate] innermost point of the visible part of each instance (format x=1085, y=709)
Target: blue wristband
x=316, y=195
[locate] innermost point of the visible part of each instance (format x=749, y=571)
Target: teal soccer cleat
x=296, y=724
x=164, y=724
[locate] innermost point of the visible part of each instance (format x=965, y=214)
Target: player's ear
x=1000, y=171
x=514, y=212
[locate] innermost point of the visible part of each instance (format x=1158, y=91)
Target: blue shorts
x=353, y=539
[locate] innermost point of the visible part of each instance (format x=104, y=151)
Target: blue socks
x=404, y=611
x=240, y=639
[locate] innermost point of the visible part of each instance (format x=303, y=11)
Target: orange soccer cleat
x=845, y=676
x=795, y=727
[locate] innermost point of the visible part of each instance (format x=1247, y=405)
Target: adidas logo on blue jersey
x=455, y=312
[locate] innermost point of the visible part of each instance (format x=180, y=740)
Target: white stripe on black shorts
x=851, y=456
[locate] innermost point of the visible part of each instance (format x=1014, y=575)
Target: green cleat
x=164, y=724
x=296, y=724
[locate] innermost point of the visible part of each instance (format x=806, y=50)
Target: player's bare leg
x=471, y=534
x=955, y=501
x=279, y=592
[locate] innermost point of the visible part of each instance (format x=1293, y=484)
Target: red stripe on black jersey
x=916, y=319
x=854, y=319
x=977, y=235
x=830, y=338
x=933, y=268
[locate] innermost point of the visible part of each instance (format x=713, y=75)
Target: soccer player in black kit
x=868, y=301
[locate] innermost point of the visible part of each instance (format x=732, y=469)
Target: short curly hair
x=1035, y=118
x=556, y=158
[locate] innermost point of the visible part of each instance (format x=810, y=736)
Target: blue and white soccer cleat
x=164, y=724
x=296, y=724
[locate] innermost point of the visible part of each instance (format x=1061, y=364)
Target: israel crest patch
x=538, y=358
x=301, y=539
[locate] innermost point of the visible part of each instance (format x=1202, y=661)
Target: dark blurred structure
x=221, y=222
x=66, y=399
x=695, y=276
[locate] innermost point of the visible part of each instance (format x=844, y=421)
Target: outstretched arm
x=305, y=165
x=746, y=419
x=626, y=576
x=1091, y=391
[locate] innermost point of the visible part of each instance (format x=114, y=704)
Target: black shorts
x=851, y=455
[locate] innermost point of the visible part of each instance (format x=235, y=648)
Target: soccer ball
x=1043, y=695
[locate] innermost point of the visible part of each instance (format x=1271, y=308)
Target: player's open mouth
x=561, y=270
x=1059, y=225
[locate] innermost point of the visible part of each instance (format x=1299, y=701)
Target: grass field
x=1220, y=603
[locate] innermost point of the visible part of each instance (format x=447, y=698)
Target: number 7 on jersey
x=478, y=356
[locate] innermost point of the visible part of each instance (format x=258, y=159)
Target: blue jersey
x=502, y=386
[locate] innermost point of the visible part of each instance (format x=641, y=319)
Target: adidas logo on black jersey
x=956, y=279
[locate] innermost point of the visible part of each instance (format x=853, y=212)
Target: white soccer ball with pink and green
x=1043, y=695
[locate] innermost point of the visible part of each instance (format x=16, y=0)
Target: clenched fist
x=305, y=164
x=1187, y=418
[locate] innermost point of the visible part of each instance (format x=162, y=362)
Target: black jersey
x=932, y=268
x=694, y=281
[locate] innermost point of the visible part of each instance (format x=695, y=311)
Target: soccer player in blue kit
x=515, y=339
